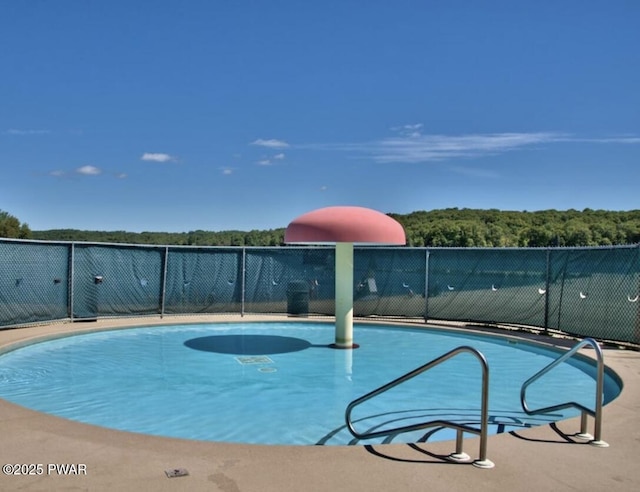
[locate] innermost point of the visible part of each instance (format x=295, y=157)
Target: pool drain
x=253, y=359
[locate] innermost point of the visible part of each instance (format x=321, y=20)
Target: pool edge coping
x=28, y=434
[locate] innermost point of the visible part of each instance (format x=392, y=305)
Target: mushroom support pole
x=344, y=295
x=344, y=227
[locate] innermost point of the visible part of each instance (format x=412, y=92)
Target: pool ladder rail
x=596, y=439
x=459, y=455
x=482, y=461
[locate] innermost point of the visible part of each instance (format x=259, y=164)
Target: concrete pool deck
x=543, y=458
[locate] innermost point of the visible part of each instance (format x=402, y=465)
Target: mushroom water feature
x=344, y=226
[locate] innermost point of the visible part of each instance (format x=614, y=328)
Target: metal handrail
x=482, y=462
x=597, y=413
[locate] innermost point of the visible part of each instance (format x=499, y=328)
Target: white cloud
x=432, y=148
x=414, y=127
x=269, y=161
x=425, y=148
x=14, y=131
x=413, y=130
x=156, y=157
x=57, y=173
x=226, y=170
x=624, y=139
x=270, y=143
x=89, y=170
x=121, y=175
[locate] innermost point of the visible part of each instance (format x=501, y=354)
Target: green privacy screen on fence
x=203, y=281
x=582, y=291
x=34, y=282
x=111, y=281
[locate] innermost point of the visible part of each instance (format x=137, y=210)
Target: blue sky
x=215, y=115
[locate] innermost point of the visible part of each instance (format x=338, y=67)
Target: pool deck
x=542, y=458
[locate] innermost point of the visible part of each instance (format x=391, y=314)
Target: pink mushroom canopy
x=345, y=225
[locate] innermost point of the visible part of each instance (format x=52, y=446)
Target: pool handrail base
x=482, y=461
x=596, y=440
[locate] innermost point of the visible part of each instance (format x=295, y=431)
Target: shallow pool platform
x=546, y=456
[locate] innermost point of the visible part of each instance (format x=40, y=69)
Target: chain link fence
x=580, y=291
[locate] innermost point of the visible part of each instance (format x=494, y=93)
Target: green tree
x=11, y=227
x=577, y=233
x=443, y=227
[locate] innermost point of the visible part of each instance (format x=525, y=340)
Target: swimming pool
x=280, y=383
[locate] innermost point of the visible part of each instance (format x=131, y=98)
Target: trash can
x=298, y=297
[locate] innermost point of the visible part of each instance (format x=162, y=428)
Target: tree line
x=450, y=227
x=496, y=228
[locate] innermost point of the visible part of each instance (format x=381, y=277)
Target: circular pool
x=281, y=383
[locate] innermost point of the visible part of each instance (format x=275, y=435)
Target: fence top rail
x=320, y=246
x=161, y=246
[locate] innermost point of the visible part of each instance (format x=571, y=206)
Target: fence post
x=547, y=283
x=72, y=252
x=164, y=281
x=426, y=286
x=244, y=274
x=636, y=331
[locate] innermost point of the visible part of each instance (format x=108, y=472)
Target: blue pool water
x=280, y=383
